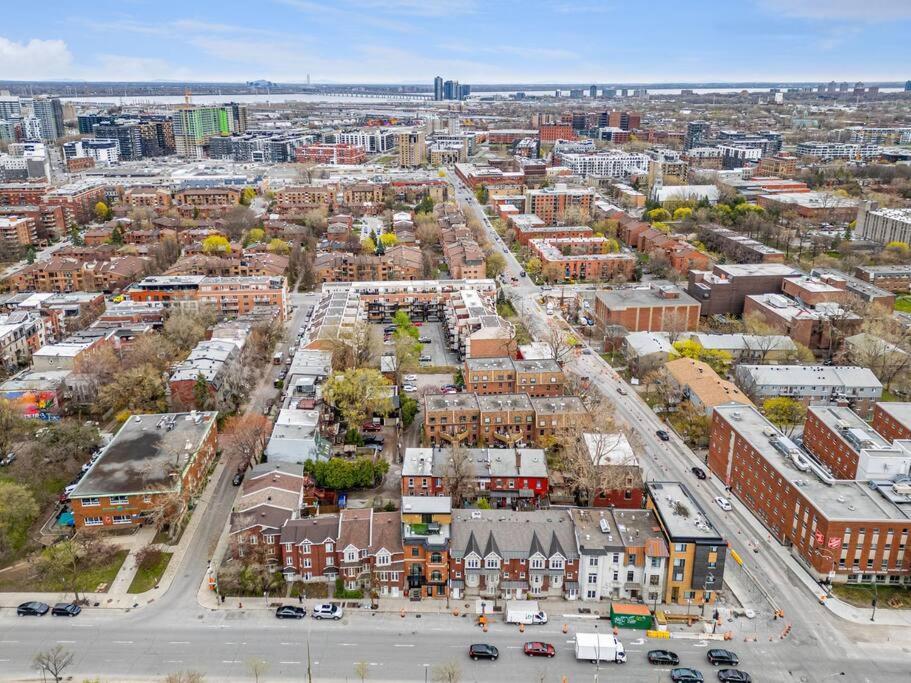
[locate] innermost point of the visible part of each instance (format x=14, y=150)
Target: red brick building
x=892, y=420
x=485, y=376
x=337, y=153
x=551, y=132
x=656, y=309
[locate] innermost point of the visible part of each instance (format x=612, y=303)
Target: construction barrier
x=736, y=557
x=787, y=630
x=658, y=634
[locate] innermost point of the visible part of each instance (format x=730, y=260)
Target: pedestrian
x=300, y=600
x=222, y=599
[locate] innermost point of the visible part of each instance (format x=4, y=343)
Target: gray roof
x=314, y=529
x=486, y=462
x=826, y=376
x=426, y=504
x=637, y=297
x=145, y=452
x=512, y=535
x=670, y=499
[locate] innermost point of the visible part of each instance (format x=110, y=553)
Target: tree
x=18, y=509
x=117, y=236
x=693, y=424
x=682, y=213
x=257, y=668
x=533, y=266
x=460, y=475
x=658, y=215
x=202, y=394
x=785, y=413
x=675, y=323
x=243, y=437
x=553, y=272
x=353, y=348
x=216, y=244
x=67, y=442
x=357, y=393
x=102, y=211
x=495, y=264
x=408, y=408
x=425, y=205
x=13, y=426
x=368, y=245
x=558, y=344
x=388, y=239
x=66, y=562
x=247, y=195
x=253, y=236
x=447, y=672
x=407, y=351
x=719, y=360
x=279, y=246
x=138, y=390
x=341, y=474
x=361, y=670
x=54, y=661
x=185, y=677
x=238, y=220
x=185, y=328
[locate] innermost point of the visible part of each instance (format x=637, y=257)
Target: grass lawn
x=861, y=595
x=25, y=578
x=150, y=571
x=903, y=304
x=506, y=310
x=163, y=537
x=311, y=589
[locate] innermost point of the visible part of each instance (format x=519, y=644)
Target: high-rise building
x=238, y=116
x=127, y=133
x=696, y=133
x=49, y=112
x=593, y=91
x=10, y=107
x=464, y=91
x=438, y=88
x=907, y=86
x=412, y=148
x=193, y=126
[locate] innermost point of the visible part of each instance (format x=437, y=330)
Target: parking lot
x=440, y=355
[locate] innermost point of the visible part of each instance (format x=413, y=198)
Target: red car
x=539, y=650
x=371, y=427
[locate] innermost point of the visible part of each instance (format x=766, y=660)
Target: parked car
x=290, y=612
x=521, y=273
x=663, y=435
x=537, y=649
x=621, y=391
x=449, y=391
x=238, y=479
x=327, y=610
x=698, y=471
x=425, y=359
x=32, y=609
x=663, y=657
x=425, y=340
x=66, y=609
x=372, y=427
x=376, y=440
x=410, y=378
x=685, y=675
x=409, y=388
x=8, y=460
x=723, y=503
x=734, y=676
x=483, y=651
x=718, y=656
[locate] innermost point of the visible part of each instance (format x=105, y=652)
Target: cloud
x=870, y=11
x=351, y=17
x=36, y=59
x=129, y=68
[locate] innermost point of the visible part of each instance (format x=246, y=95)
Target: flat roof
x=834, y=498
x=900, y=412
x=810, y=375
x=680, y=514
x=849, y=426
x=145, y=453
x=756, y=269
x=426, y=504
x=633, y=297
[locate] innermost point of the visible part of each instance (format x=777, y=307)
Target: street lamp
x=873, y=602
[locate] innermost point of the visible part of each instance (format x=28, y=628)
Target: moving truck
x=524, y=612
x=599, y=646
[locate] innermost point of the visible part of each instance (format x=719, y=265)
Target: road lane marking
x=403, y=645
x=230, y=661
x=289, y=662
x=348, y=644
x=173, y=661
x=123, y=642
x=178, y=642
x=9, y=641
x=66, y=641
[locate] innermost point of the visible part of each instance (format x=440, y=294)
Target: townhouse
x=426, y=529
x=230, y=296
x=737, y=246
x=487, y=376
x=67, y=274
x=621, y=555
x=153, y=461
x=370, y=552
x=505, y=477
x=400, y=262
x=502, y=554
x=501, y=419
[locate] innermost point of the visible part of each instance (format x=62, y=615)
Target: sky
x=472, y=41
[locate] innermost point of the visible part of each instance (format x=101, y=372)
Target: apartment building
x=147, y=197
x=22, y=332
x=829, y=151
x=551, y=132
x=883, y=225
x=781, y=165
x=583, y=258
x=50, y=221
x=723, y=290
x=696, y=550
x=529, y=227
x=505, y=477
x=621, y=555
x=551, y=203
x=412, y=148
x=210, y=361
x=370, y=552
x=502, y=419
x=737, y=247
x=333, y=154
x=207, y=197
x=18, y=231
x=426, y=528
x=816, y=206
x=537, y=377
x=843, y=529
x=400, y=262
x=77, y=200
x=653, y=309
x=304, y=197
x=473, y=327
x=606, y=164
x=695, y=381
x=821, y=328
x=151, y=459
x=812, y=384
x=67, y=274
x=892, y=420
x=895, y=278
x=506, y=555
x=270, y=497
x=230, y=296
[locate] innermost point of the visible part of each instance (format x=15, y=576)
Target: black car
x=32, y=609
x=663, y=657
x=663, y=435
x=290, y=612
x=734, y=676
x=718, y=656
x=698, y=472
x=483, y=651
x=66, y=609
x=373, y=441
x=238, y=478
x=684, y=675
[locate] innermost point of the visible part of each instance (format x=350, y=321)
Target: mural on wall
x=41, y=405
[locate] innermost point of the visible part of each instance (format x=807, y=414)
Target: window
x=89, y=502
x=592, y=561
x=305, y=549
x=289, y=561
x=119, y=500
x=122, y=519
x=383, y=559
x=330, y=560
x=253, y=540
x=591, y=594
x=592, y=579
x=472, y=563
x=147, y=499
x=492, y=563
x=556, y=563
x=329, y=547
x=536, y=563
x=436, y=558
x=350, y=556
x=93, y=521
x=415, y=551
x=629, y=576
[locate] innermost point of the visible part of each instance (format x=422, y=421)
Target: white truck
x=599, y=646
x=524, y=612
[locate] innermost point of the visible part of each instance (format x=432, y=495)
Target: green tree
x=202, y=396
x=340, y=474
x=785, y=413
x=76, y=236
x=409, y=409
x=30, y=254
x=495, y=264
x=533, y=266
x=404, y=325
x=357, y=393
x=102, y=211
x=425, y=205
x=482, y=194
x=117, y=236
x=388, y=239
x=18, y=509
x=482, y=504
x=137, y=390
x=658, y=215
x=253, y=236
x=247, y=195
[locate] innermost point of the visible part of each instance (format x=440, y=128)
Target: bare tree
x=53, y=662
x=243, y=438
x=257, y=668
x=447, y=672
x=558, y=343
x=353, y=348
x=185, y=677
x=675, y=323
x=460, y=475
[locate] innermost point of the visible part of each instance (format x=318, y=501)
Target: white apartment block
x=883, y=225
x=827, y=151
x=606, y=164
x=381, y=140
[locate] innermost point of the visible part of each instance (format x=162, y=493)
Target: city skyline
x=405, y=41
